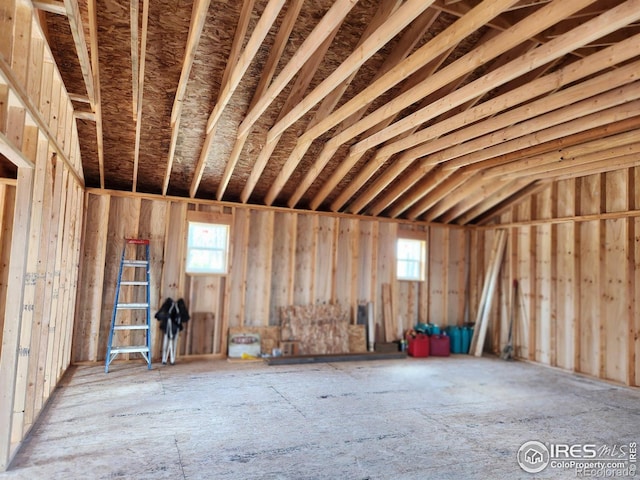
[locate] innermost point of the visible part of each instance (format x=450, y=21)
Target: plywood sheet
x=319, y=328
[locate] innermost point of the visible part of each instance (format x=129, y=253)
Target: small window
x=207, y=248
x=411, y=259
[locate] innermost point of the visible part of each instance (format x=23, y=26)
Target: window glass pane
x=207, y=248
x=410, y=259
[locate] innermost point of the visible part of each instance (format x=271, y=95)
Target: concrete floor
x=434, y=418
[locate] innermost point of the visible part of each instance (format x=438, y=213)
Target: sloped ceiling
x=440, y=111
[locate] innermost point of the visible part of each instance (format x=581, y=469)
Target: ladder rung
x=132, y=306
x=131, y=327
x=137, y=282
x=135, y=263
x=133, y=349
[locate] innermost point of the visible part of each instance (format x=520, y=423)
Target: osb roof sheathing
x=169, y=23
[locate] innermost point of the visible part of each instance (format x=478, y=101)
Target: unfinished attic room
x=319, y=239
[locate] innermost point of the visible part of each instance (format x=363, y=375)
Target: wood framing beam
x=394, y=25
x=607, y=22
x=297, y=92
x=307, y=56
x=236, y=68
x=625, y=111
x=134, y=19
x=497, y=153
x=198, y=18
x=140, y=90
x=334, y=17
x=7, y=76
x=13, y=153
x=397, y=167
x=95, y=68
x=611, y=146
x=51, y=6
x=553, y=81
x=267, y=74
x=75, y=23
x=611, y=106
x=385, y=9
x=350, y=161
x=478, y=208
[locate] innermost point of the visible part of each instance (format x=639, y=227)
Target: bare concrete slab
x=433, y=418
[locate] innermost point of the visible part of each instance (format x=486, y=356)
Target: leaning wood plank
x=10, y=354
x=398, y=21
x=387, y=311
x=236, y=72
x=480, y=330
x=198, y=17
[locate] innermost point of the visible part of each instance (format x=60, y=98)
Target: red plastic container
x=418, y=346
x=439, y=345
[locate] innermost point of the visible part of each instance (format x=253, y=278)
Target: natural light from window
x=411, y=259
x=207, y=247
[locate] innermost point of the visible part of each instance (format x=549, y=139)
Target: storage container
x=455, y=336
x=466, y=334
x=419, y=346
x=439, y=345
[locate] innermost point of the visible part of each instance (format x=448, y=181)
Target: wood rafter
x=406, y=44
x=326, y=28
x=198, y=17
x=399, y=20
x=236, y=68
x=93, y=40
x=140, y=90
x=548, y=83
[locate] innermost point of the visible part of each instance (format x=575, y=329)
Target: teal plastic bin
x=466, y=333
x=455, y=335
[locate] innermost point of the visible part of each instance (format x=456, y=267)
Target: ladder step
x=132, y=306
x=137, y=282
x=131, y=327
x=135, y=263
x=132, y=349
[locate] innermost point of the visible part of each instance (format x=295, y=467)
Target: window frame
x=420, y=238
x=214, y=220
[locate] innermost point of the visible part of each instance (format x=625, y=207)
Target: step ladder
x=141, y=248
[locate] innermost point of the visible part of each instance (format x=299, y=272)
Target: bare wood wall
x=574, y=250
x=40, y=224
x=278, y=258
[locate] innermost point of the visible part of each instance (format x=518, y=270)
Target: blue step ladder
x=141, y=249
